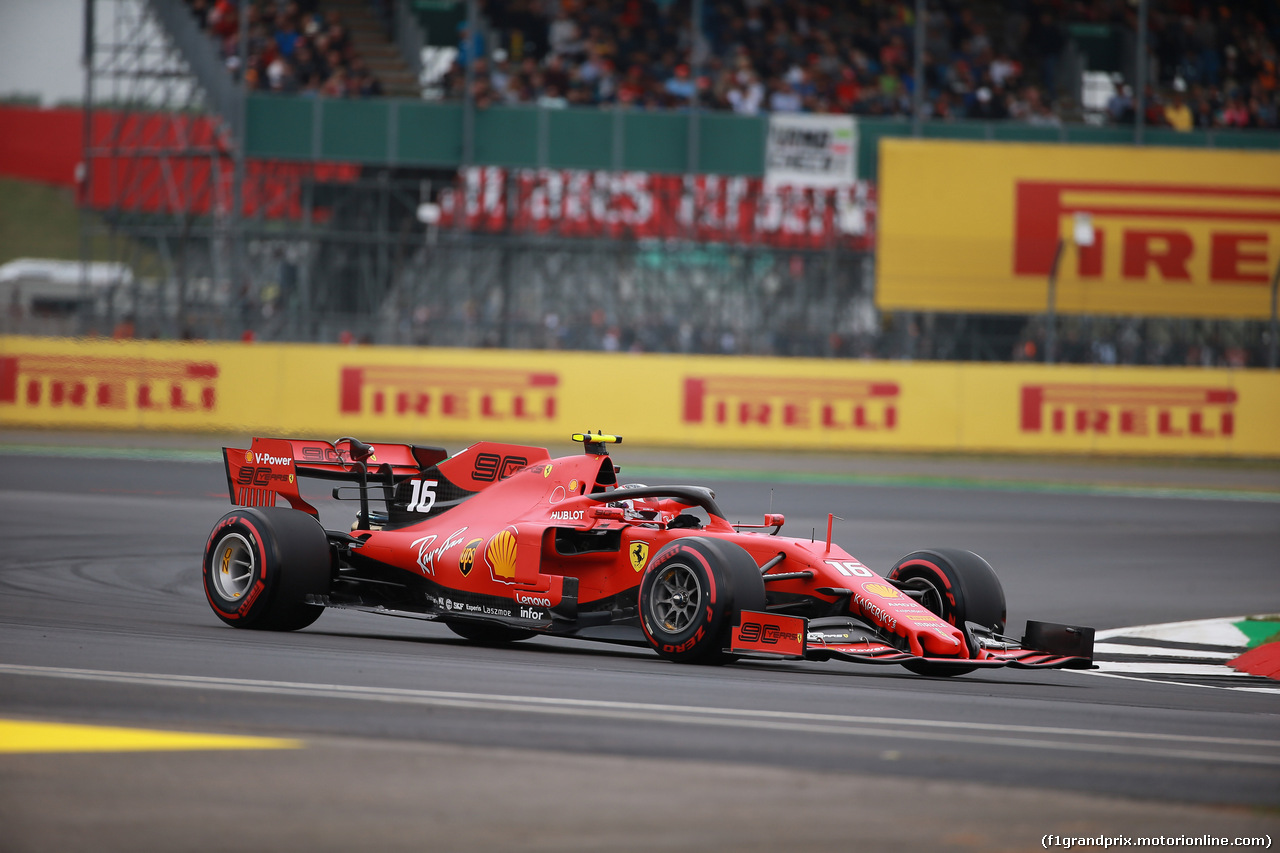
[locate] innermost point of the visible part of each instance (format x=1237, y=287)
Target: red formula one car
x=502, y=543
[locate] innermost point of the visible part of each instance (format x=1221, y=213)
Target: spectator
x=363, y=83
x=306, y=68
x=784, y=98
x=1154, y=106
x=1178, y=114
x=1120, y=107
x=1264, y=111
x=1205, y=115
x=280, y=77
x=286, y=34
x=1003, y=69
x=681, y=86
x=468, y=46
x=747, y=95
x=1235, y=114
x=500, y=76
x=563, y=35
x=223, y=19
x=336, y=85
x=1037, y=111
x=988, y=105
x=552, y=99
x=1047, y=42
x=847, y=90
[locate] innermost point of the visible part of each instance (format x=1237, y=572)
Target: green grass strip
x=145, y=454
x=1258, y=631
x=699, y=474
x=964, y=483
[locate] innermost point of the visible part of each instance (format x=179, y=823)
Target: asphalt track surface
x=413, y=739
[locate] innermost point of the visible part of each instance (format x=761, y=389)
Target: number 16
x=424, y=496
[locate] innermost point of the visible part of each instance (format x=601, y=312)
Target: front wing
x=772, y=635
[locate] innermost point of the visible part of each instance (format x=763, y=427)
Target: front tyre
x=261, y=563
x=958, y=586
x=691, y=594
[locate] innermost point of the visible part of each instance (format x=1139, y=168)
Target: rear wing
x=270, y=468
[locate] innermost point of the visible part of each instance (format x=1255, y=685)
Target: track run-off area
x=132, y=719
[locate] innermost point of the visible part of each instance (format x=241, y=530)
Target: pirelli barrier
x=458, y=396
x=967, y=226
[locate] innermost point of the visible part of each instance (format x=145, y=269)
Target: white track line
x=1275, y=690
x=1163, y=668
x=1214, y=632
x=1122, y=649
x=826, y=724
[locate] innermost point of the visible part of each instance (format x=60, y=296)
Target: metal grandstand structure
x=220, y=247
x=154, y=160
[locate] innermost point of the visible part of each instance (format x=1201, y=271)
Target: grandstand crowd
x=293, y=48
x=1213, y=64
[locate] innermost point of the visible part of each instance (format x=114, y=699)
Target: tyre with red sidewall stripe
x=260, y=564
x=690, y=597
x=958, y=586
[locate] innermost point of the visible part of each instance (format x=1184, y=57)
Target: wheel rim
x=233, y=567
x=931, y=599
x=677, y=595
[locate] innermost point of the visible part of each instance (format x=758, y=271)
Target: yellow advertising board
x=460, y=396
x=974, y=227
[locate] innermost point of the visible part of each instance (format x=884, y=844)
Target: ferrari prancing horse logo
x=639, y=554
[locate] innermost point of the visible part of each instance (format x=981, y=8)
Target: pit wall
x=459, y=396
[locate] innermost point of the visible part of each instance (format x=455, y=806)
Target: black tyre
x=691, y=594
x=488, y=633
x=958, y=586
x=260, y=564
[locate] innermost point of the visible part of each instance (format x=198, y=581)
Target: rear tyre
x=260, y=564
x=690, y=597
x=489, y=634
x=958, y=586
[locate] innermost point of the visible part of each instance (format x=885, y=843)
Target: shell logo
x=501, y=554
x=881, y=589
x=573, y=485
x=248, y=456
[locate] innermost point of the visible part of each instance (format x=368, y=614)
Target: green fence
x=396, y=132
